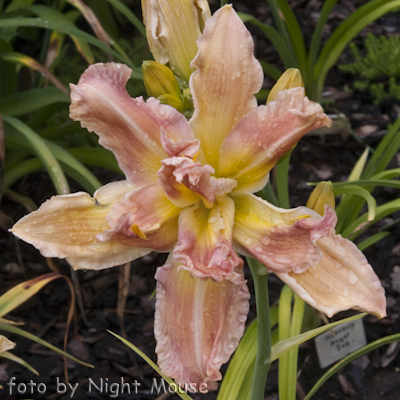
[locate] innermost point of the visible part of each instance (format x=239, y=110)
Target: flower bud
x=172, y=28
x=159, y=80
x=173, y=101
x=321, y=195
x=291, y=78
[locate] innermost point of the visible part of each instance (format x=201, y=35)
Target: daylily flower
x=189, y=191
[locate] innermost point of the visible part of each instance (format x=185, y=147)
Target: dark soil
x=375, y=376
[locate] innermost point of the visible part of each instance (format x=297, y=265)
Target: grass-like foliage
x=315, y=61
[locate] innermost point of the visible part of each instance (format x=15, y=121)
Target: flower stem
x=261, y=369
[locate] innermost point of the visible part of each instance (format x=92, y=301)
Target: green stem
x=282, y=182
x=261, y=369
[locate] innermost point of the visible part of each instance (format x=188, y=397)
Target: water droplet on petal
x=363, y=269
x=248, y=241
x=266, y=240
x=352, y=277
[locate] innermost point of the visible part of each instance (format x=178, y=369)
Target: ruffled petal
x=227, y=77
x=141, y=212
x=198, y=324
x=205, y=241
x=343, y=279
x=260, y=138
x=130, y=128
x=185, y=147
x=283, y=240
x=161, y=240
x=183, y=179
x=177, y=192
x=66, y=227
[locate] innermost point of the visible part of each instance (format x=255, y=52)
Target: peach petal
x=184, y=147
x=66, y=227
x=260, y=138
x=161, y=240
x=343, y=279
x=205, y=241
x=136, y=210
x=227, y=77
x=130, y=128
x=198, y=324
x=283, y=240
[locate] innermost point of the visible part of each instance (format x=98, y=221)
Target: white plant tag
x=340, y=341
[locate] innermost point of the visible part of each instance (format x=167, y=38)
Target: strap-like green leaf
x=12, y=357
x=8, y=72
x=97, y=156
x=31, y=100
x=380, y=212
x=337, y=367
x=69, y=163
x=384, y=153
x=283, y=346
x=43, y=152
x=343, y=35
x=372, y=240
x=271, y=70
x=71, y=31
x=18, y=331
x=21, y=170
x=181, y=394
x=129, y=14
x=351, y=189
x=297, y=38
x=236, y=384
x=22, y=292
x=317, y=34
x=285, y=53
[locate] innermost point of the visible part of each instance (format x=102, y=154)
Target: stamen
x=300, y=217
x=136, y=230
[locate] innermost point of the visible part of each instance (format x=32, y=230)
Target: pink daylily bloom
x=189, y=191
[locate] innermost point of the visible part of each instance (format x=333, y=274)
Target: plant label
x=340, y=341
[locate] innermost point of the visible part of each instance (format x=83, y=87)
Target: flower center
x=185, y=182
